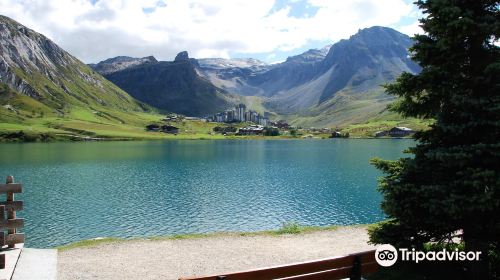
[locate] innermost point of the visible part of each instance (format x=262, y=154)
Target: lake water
x=75, y=191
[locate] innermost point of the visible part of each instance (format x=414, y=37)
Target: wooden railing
x=10, y=223
x=350, y=266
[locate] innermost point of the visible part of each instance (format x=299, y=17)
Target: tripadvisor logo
x=387, y=255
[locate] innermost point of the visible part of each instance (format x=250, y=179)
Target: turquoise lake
x=75, y=191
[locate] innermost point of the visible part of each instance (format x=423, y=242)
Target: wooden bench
x=350, y=266
x=10, y=222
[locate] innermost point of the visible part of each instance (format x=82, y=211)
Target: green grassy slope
x=39, y=122
x=384, y=122
x=359, y=117
x=19, y=112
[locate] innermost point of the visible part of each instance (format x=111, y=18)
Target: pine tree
x=451, y=183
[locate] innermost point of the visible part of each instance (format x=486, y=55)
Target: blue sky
x=269, y=30
x=302, y=9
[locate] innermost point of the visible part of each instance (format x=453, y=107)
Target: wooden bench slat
x=2, y=261
x=11, y=188
x=13, y=205
x=11, y=239
x=293, y=269
x=11, y=224
x=340, y=273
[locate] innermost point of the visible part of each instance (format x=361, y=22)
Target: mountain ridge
x=118, y=63
x=44, y=88
x=174, y=86
x=333, y=85
x=348, y=85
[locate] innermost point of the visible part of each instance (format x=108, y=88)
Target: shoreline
x=79, y=139
x=287, y=229
x=83, y=130
x=206, y=254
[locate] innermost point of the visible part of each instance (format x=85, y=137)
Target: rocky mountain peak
x=368, y=43
x=182, y=56
x=312, y=55
x=380, y=36
x=26, y=49
x=118, y=63
x=150, y=59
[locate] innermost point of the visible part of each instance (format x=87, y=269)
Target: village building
x=169, y=129
x=247, y=116
x=251, y=130
x=336, y=134
x=400, y=131
x=239, y=114
x=254, y=117
x=171, y=118
x=193, y=119
x=263, y=121
x=281, y=124
x=231, y=115
x=380, y=133
x=152, y=127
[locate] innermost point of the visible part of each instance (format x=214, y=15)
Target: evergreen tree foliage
x=451, y=184
x=271, y=131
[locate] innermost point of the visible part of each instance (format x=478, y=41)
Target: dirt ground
x=173, y=258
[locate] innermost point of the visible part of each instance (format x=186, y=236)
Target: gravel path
x=170, y=259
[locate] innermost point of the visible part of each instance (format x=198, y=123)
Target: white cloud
x=411, y=29
x=216, y=28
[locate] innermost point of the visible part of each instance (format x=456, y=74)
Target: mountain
x=118, y=63
x=43, y=88
x=174, y=86
x=312, y=55
x=336, y=85
x=222, y=63
x=293, y=72
x=250, y=77
x=35, y=66
x=232, y=75
x=345, y=86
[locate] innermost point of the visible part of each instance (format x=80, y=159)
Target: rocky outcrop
x=172, y=86
x=182, y=56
